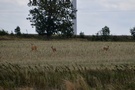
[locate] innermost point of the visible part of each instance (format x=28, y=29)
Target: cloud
x=118, y=15
x=125, y=5
x=93, y=15
x=14, y=13
x=19, y=2
x=106, y=5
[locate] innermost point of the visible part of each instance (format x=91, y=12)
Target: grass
x=13, y=76
x=88, y=54
x=76, y=65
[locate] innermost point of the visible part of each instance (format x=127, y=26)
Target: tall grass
x=13, y=76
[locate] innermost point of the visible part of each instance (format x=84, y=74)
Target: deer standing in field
x=33, y=47
x=106, y=48
x=53, y=49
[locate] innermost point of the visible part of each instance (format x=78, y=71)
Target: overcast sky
x=92, y=16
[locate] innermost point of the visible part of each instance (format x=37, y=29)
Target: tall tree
x=52, y=16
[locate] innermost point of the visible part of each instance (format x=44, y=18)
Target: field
x=70, y=55
x=88, y=54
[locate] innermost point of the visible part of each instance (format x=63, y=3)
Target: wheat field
x=66, y=65
x=69, y=52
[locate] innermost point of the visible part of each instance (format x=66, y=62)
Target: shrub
x=18, y=31
x=132, y=31
x=3, y=32
x=82, y=35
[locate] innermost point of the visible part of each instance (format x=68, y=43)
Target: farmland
x=68, y=52
x=70, y=55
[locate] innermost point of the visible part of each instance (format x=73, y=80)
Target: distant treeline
x=102, y=35
x=127, y=38
x=109, y=38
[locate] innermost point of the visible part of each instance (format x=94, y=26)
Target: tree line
x=102, y=35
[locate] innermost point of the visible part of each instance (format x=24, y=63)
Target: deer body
x=33, y=47
x=106, y=48
x=53, y=49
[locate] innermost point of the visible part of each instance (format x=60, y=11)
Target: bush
x=82, y=35
x=18, y=31
x=132, y=31
x=3, y=32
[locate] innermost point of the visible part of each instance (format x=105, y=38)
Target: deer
x=106, y=48
x=53, y=49
x=33, y=47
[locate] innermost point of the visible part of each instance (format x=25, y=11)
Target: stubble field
x=69, y=52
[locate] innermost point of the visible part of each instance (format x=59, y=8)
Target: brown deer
x=33, y=47
x=106, y=48
x=53, y=49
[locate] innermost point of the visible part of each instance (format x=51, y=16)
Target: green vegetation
x=3, y=32
x=52, y=17
x=47, y=77
x=105, y=33
x=17, y=31
x=132, y=31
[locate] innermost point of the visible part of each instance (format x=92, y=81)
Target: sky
x=92, y=16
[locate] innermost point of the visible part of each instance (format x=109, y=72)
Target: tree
x=3, y=32
x=105, y=32
x=132, y=31
x=18, y=30
x=82, y=35
x=52, y=16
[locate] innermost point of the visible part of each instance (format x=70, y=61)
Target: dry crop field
x=66, y=65
x=68, y=52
